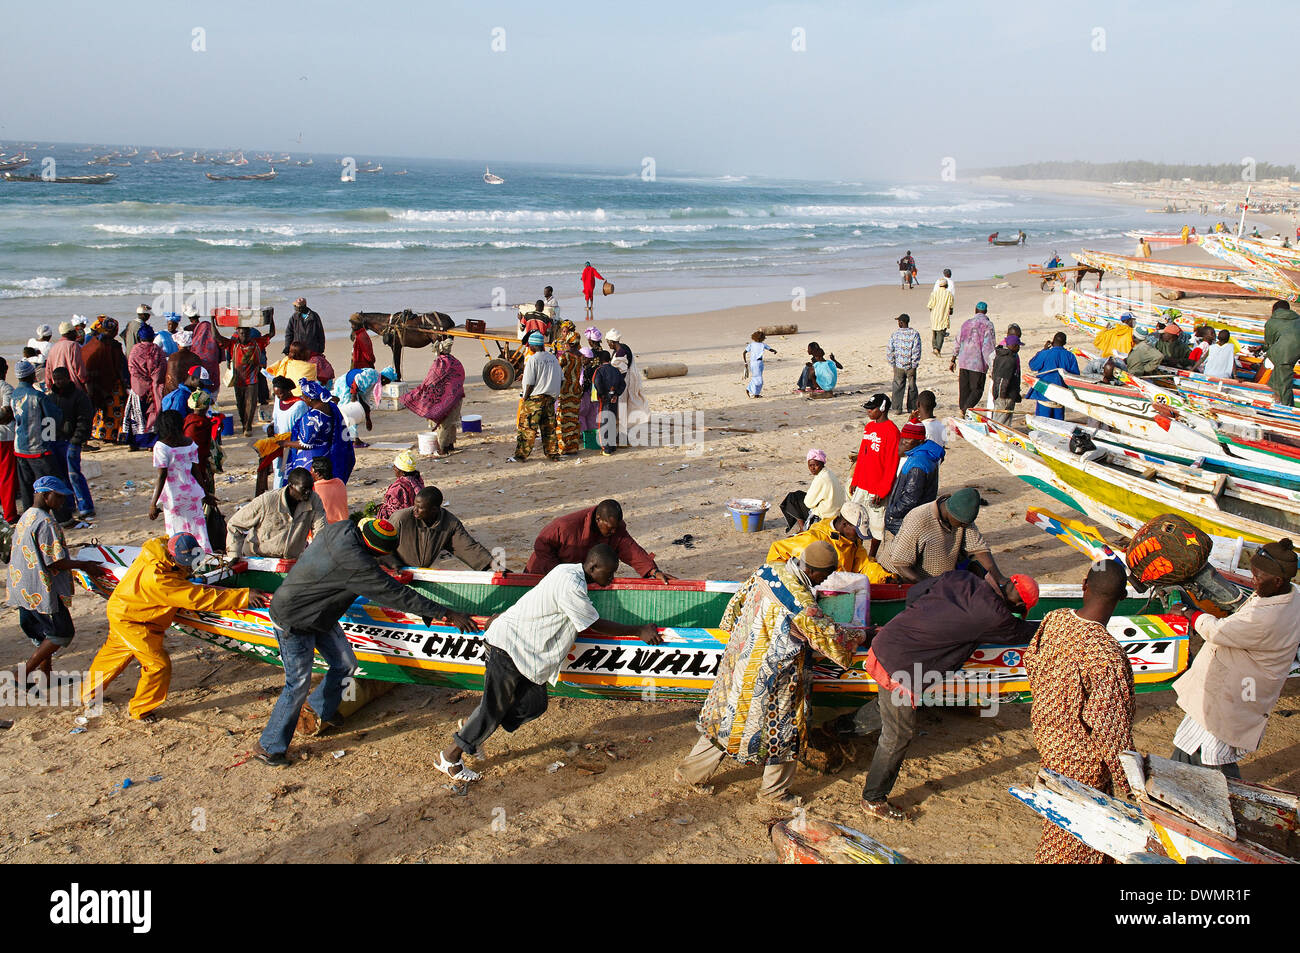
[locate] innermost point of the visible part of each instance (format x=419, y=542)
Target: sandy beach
x=614, y=798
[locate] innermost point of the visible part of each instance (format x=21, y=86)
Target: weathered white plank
x=1199, y=794
x=1100, y=821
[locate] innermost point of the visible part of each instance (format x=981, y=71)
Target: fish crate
x=390, y=397
x=242, y=317
x=475, y=326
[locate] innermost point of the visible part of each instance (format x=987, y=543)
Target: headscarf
x=587, y=352
x=313, y=390
x=405, y=461
x=593, y=334
x=109, y=326
x=183, y=338
x=613, y=335
x=145, y=333
x=816, y=454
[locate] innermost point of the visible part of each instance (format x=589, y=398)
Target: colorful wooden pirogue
x=393, y=646
x=1181, y=814
x=1222, y=281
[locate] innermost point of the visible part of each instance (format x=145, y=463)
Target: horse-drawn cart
x=1068, y=275
x=407, y=329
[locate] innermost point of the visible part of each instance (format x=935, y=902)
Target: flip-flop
x=456, y=770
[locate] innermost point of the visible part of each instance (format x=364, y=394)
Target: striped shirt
x=924, y=541
x=538, y=630
x=1192, y=737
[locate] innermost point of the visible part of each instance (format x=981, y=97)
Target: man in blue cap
x=36, y=421
x=40, y=575
x=541, y=383
x=1047, y=364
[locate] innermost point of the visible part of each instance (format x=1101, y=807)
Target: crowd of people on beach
x=894, y=520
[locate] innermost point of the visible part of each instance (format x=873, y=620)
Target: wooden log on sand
x=656, y=371
x=365, y=690
x=780, y=329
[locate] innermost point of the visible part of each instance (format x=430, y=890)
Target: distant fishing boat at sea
x=491, y=179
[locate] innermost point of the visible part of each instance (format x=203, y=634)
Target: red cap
x=912, y=431
x=1027, y=587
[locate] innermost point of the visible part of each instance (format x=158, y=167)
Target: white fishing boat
x=491, y=179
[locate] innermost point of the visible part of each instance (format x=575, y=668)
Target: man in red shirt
x=567, y=540
x=589, y=276
x=873, y=476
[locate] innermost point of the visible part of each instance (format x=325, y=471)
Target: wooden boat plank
x=1200, y=794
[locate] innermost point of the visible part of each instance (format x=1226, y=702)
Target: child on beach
x=753, y=358
x=178, y=494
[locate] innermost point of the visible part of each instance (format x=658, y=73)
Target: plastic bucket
x=428, y=443
x=590, y=440
x=747, y=515
x=227, y=425
x=471, y=423
x=353, y=413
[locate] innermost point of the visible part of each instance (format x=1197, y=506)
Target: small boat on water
x=1020, y=239
x=370, y=168
x=64, y=179
x=258, y=177
x=393, y=646
x=13, y=162
x=491, y=179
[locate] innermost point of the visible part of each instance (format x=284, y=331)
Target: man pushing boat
x=525, y=647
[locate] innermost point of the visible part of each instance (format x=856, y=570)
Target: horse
x=403, y=329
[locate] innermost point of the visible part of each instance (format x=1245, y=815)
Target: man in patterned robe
x=1082, y=712
x=757, y=710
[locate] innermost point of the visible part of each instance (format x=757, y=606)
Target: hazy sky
x=880, y=90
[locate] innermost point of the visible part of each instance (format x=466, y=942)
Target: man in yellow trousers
x=142, y=608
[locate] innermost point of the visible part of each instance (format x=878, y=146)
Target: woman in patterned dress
x=439, y=397
x=177, y=495
x=568, y=405
x=106, y=378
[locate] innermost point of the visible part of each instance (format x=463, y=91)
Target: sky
x=877, y=90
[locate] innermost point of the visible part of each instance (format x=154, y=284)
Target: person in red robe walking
x=589, y=276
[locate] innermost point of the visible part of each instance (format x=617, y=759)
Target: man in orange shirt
x=331, y=490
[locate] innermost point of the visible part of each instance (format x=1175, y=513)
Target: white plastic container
x=428, y=443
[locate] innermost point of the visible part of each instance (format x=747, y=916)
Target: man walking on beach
x=1082, y=713
x=589, y=276
x=541, y=386
x=940, y=306
x=335, y=569
x=907, y=270
x=975, y=345
x=525, y=647
x=40, y=577
x=1282, y=339
x=904, y=355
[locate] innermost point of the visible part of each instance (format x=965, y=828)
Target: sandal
x=456, y=770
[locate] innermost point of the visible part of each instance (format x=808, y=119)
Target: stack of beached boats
x=1239, y=277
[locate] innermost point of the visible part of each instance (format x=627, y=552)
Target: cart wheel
x=1047, y=284
x=498, y=373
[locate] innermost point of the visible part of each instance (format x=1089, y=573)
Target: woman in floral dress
x=177, y=495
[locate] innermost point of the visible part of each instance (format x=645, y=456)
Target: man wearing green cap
x=541, y=386
x=936, y=537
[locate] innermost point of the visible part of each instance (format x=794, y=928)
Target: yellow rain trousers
x=140, y=611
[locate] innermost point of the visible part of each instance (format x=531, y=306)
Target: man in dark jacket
x=305, y=326
x=72, y=432
x=918, y=477
x=607, y=385
x=946, y=618
x=1006, y=379
x=1282, y=338
x=425, y=531
x=567, y=539
x=338, y=566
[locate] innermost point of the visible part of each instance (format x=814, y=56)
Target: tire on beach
x=498, y=373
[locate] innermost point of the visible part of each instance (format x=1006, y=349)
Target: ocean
x=439, y=238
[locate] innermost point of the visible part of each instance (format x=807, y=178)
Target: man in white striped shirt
x=526, y=646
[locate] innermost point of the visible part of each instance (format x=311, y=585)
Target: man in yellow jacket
x=1116, y=340
x=845, y=533
x=141, y=609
